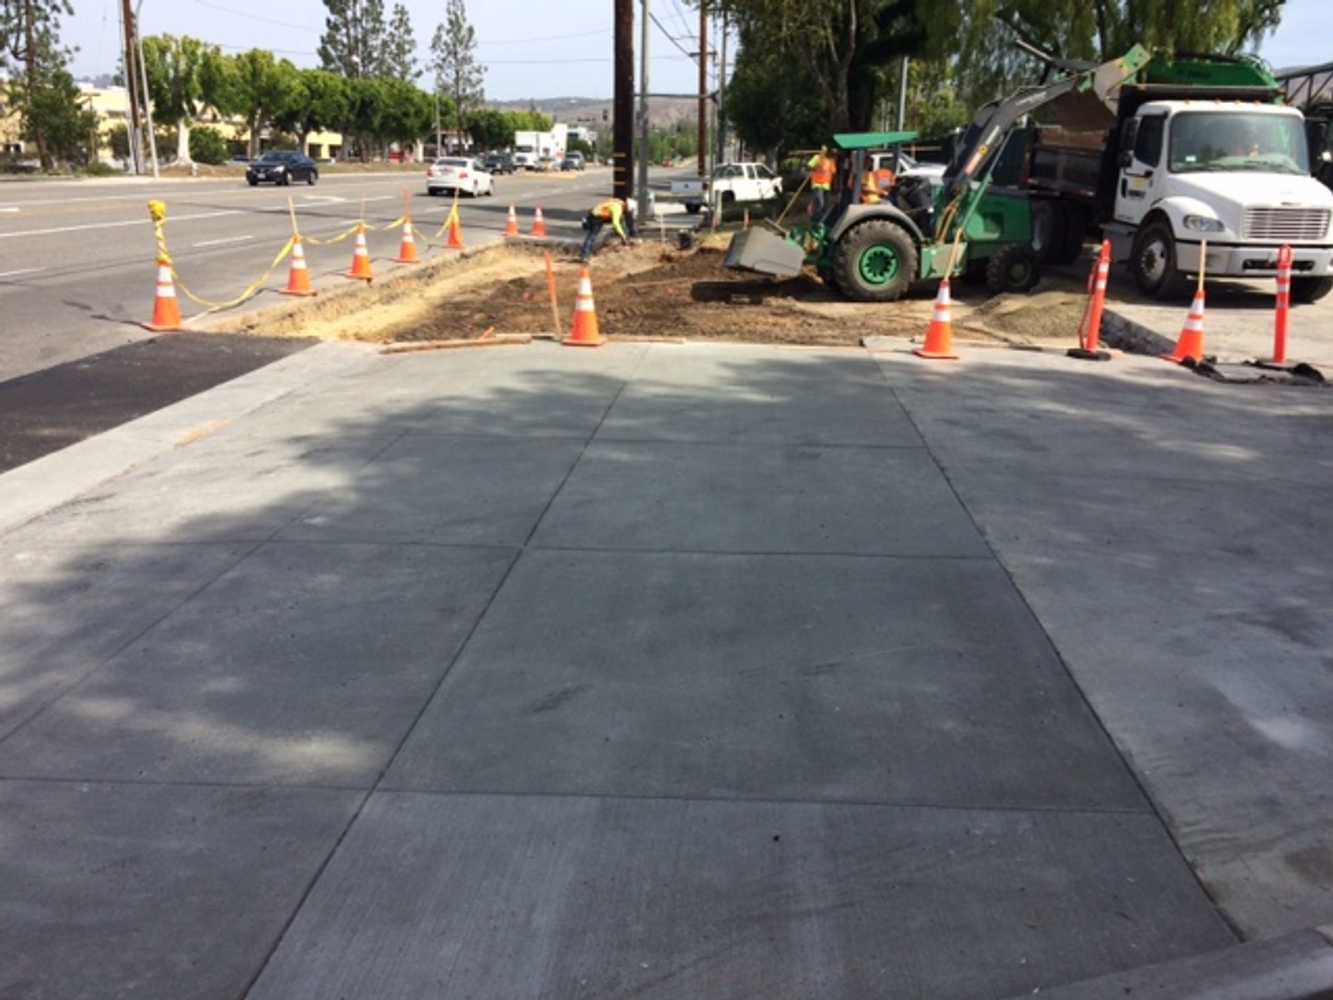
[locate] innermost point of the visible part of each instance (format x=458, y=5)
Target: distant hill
x=596, y=111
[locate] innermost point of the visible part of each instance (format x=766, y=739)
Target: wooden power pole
x=703, y=89
x=132, y=87
x=622, y=105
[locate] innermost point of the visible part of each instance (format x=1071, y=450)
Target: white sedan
x=461, y=174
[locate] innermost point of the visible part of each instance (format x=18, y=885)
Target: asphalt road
x=76, y=258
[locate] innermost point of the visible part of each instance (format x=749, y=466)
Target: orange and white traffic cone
x=1190, y=345
x=407, y=250
x=538, y=223
x=166, y=307
x=511, y=226
x=939, y=335
x=361, y=269
x=1090, y=330
x=584, y=332
x=298, y=275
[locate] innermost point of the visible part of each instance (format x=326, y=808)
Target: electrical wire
x=254, y=17
x=693, y=57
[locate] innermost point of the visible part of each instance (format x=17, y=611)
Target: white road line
x=113, y=225
x=22, y=270
x=229, y=239
x=9, y=208
x=168, y=194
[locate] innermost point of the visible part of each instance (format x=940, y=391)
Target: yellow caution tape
x=333, y=239
x=250, y=292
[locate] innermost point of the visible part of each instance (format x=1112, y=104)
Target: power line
x=670, y=37
x=549, y=38
x=254, y=17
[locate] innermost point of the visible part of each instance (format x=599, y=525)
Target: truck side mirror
x=1129, y=135
x=1127, y=158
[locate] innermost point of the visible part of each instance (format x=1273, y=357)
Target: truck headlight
x=1203, y=224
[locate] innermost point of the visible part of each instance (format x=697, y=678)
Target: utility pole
x=703, y=88
x=143, y=78
x=622, y=105
x=645, y=150
x=902, y=99
x=722, y=93
x=132, y=87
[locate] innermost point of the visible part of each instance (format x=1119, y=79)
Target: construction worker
x=823, y=168
x=870, y=188
x=614, y=211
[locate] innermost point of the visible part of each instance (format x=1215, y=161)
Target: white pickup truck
x=732, y=182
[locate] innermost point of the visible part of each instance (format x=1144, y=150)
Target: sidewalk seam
x=1134, y=776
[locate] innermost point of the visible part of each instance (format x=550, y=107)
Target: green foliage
x=772, y=104
x=405, y=113
x=492, y=129
x=185, y=76
x=30, y=39
x=51, y=107
x=353, y=41
x=263, y=88
x=454, y=60
x=208, y=146
x=934, y=107
x=400, y=47
x=579, y=146
x=99, y=169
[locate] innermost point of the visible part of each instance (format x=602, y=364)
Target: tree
x=262, y=89
x=208, y=146
x=772, y=104
x=491, y=129
x=400, y=47
x=323, y=104
x=1096, y=30
x=353, y=41
x=30, y=35
x=185, y=76
x=51, y=106
x=454, y=59
x=406, y=114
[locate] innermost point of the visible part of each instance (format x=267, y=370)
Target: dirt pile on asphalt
x=649, y=290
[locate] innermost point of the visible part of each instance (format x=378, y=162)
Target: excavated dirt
x=651, y=291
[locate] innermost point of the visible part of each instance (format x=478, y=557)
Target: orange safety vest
x=822, y=175
x=870, y=189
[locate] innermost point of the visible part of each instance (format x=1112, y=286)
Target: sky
x=533, y=48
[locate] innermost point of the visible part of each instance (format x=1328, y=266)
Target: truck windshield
x=1231, y=140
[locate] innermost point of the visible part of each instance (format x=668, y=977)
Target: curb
x=1296, y=966
x=1131, y=337
x=61, y=476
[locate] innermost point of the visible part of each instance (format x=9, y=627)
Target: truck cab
x=1234, y=173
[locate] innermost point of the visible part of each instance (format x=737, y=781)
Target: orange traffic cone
x=361, y=269
x=511, y=227
x=455, y=226
x=538, y=224
x=298, y=275
x=584, y=332
x=1190, y=345
x=166, y=308
x=939, y=335
x=407, y=250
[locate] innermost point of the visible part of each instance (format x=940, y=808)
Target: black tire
x=313, y=179
x=1153, y=262
x=1013, y=269
x=851, y=266
x=1048, y=230
x=692, y=209
x=286, y=180
x=1076, y=231
x=1307, y=290
x=252, y=182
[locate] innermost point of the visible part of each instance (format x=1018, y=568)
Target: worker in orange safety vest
x=823, y=168
x=614, y=211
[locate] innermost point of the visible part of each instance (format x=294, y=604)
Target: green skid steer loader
x=873, y=252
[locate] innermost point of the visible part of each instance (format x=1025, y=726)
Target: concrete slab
x=67, y=610
x=218, y=490
x=813, y=678
x=150, y=891
x=1133, y=417
x=490, y=896
x=304, y=664
x=469, y=490
x=540, y=390
x=740, y=394
x=760, y=498
x=1195, y=616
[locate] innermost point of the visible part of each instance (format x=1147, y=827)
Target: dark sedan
x=282, y=168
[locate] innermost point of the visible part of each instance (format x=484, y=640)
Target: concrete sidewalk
x=666, y=671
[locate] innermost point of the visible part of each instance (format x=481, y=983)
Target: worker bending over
x=613, y=210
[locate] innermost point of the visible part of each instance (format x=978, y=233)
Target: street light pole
x=147, y=103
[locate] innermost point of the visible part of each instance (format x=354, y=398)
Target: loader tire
x=1013, y=269
x=875, y=261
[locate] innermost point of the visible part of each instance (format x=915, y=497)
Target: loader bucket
x=765, y=253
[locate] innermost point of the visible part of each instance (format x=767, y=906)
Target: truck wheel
x=692, y=207
x=1048, y=230
x=1013, y=269
x=1307, y=290
x=1076, y=231
x=875, y=261
x=1154, y=262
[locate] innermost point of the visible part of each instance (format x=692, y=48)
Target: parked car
x=571, y=163
x=283, y=167
x=498, y=163
x=733, y=182
x=458, y=173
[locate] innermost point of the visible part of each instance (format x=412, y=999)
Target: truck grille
x=1285, y=224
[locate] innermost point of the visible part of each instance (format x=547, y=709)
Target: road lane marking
x=22, y=270
x=9, y=208
x=113, y=225
x=228, y=239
